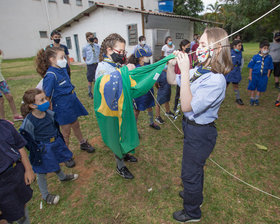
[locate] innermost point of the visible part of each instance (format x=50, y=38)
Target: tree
x=188, y=7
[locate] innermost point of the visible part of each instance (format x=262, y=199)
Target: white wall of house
x=102, y=21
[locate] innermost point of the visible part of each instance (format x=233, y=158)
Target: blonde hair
x=29, y=98
x=221, y=61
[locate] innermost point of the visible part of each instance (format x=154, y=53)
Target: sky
x=207, y=2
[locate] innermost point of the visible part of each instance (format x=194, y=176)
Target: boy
x=56, y=37
x=142, y=44
x=275, y=54
x=260, y=68
x=16, y=175
x=4, y=89
x=91, y=57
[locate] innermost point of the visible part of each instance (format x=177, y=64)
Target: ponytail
x=28, y=98
x=110, y=42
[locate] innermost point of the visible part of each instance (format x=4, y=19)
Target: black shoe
x=182, y=216
x=277, y=103
x=125, y=173
x=70, y=163
x=87, y=147
x=170, y=114
x=130, y=158
x=154, y=126
x=239, y=101
x=90, y=95
x=159, y=120
x=69, y=177
x=257, y=103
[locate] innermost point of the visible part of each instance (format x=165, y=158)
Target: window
x=132, y=34
x=52, y=0
x=79, y=2
x=68, y=42
x=90, y=3
x=66, y=1
x=43, y=34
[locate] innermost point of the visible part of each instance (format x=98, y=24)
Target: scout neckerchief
x=199, y=72
x=92, y=46
x=262, y=65
x=111, y=62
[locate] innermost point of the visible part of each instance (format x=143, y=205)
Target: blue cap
x=142, y=53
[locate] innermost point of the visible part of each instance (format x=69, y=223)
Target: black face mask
x=91, y=39
x=56, y=40
x=187, y=50
x=118, y=58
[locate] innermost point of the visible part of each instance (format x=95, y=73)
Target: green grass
x=101, y=196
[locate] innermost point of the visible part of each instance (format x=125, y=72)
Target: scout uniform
x=235, y=75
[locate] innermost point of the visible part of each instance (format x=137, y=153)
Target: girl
x=145, y=102
x=168, y=48
x=202, y=92
x=234, y=76
x=113, y=56
x=16, y=175
x=45, y=142
x=185, y=48
x=51, y=65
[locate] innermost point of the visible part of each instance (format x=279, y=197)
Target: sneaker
x=70, y=163
x=87, y=147
x=277, y=103
x=257, y=103
x=182, y=216
x=239, y=101
x=125, y=173
x=252, y=101
x=154, y=126
x=159, y=120
x=69, y=177
x=90, y=95
x=52, y=199
x=170, y=114
x=130, y=158
x=18, y=118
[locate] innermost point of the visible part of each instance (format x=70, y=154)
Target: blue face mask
x=170, y=43
x=237, y=50
x=43, y=107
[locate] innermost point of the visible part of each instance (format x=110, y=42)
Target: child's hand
x=250, y=77
x=130, y=66
x=29, y=176
x=183, y=61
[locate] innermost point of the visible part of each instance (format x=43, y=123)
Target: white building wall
x=148, y=4
x=102, y=21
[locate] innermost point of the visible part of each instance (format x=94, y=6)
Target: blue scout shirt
x=261, y=64
x=91, y=53
x=145, y=47
x=10, y=142
x=208, y=93
x=235, y=73
x=56, y=83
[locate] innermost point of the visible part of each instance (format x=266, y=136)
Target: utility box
x=166, y=6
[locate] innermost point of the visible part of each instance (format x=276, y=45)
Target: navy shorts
x=258, y=82
x=91, y=72
x=14, y=193
x=276, y=69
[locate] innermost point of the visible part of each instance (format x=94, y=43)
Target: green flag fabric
x=113, y=104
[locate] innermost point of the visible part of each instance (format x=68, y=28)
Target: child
x=56, y=37
x=163, y=96
x=185, y=48
x=90, y=55
x=51, y=65
x=16, y=175
x=260, y=68
x=168, y=48
x=234, y=76
x=202, y=92
x=44, y=141
x=145, y=102
x=4, y=88
x=274, y=50
x=142, y=44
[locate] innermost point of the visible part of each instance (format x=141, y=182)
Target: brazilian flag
x=113, y=104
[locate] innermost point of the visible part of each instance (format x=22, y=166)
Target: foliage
x=188, y=7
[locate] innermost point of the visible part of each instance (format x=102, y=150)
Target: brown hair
x=221, y=61
x=88, y=34
x=29, y=98
x=110, y=41
x=42, y=59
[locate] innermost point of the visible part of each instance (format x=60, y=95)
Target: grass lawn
x=101, y=196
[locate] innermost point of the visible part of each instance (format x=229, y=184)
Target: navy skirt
x=164, y=93
x=68, y=108
x=146, y=101
x=52, y=155
x=14, y=193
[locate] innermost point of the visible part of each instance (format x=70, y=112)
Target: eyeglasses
x=120, y=52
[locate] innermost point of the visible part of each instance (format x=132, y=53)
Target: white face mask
x=146, y=59
x=265, y=51
x=61, y=63
x=203, y=54
x=143, y=42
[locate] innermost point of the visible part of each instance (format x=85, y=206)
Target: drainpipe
x=142, y=17
x=48, y=16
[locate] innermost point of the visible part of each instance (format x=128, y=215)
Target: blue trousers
x=199, y=142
